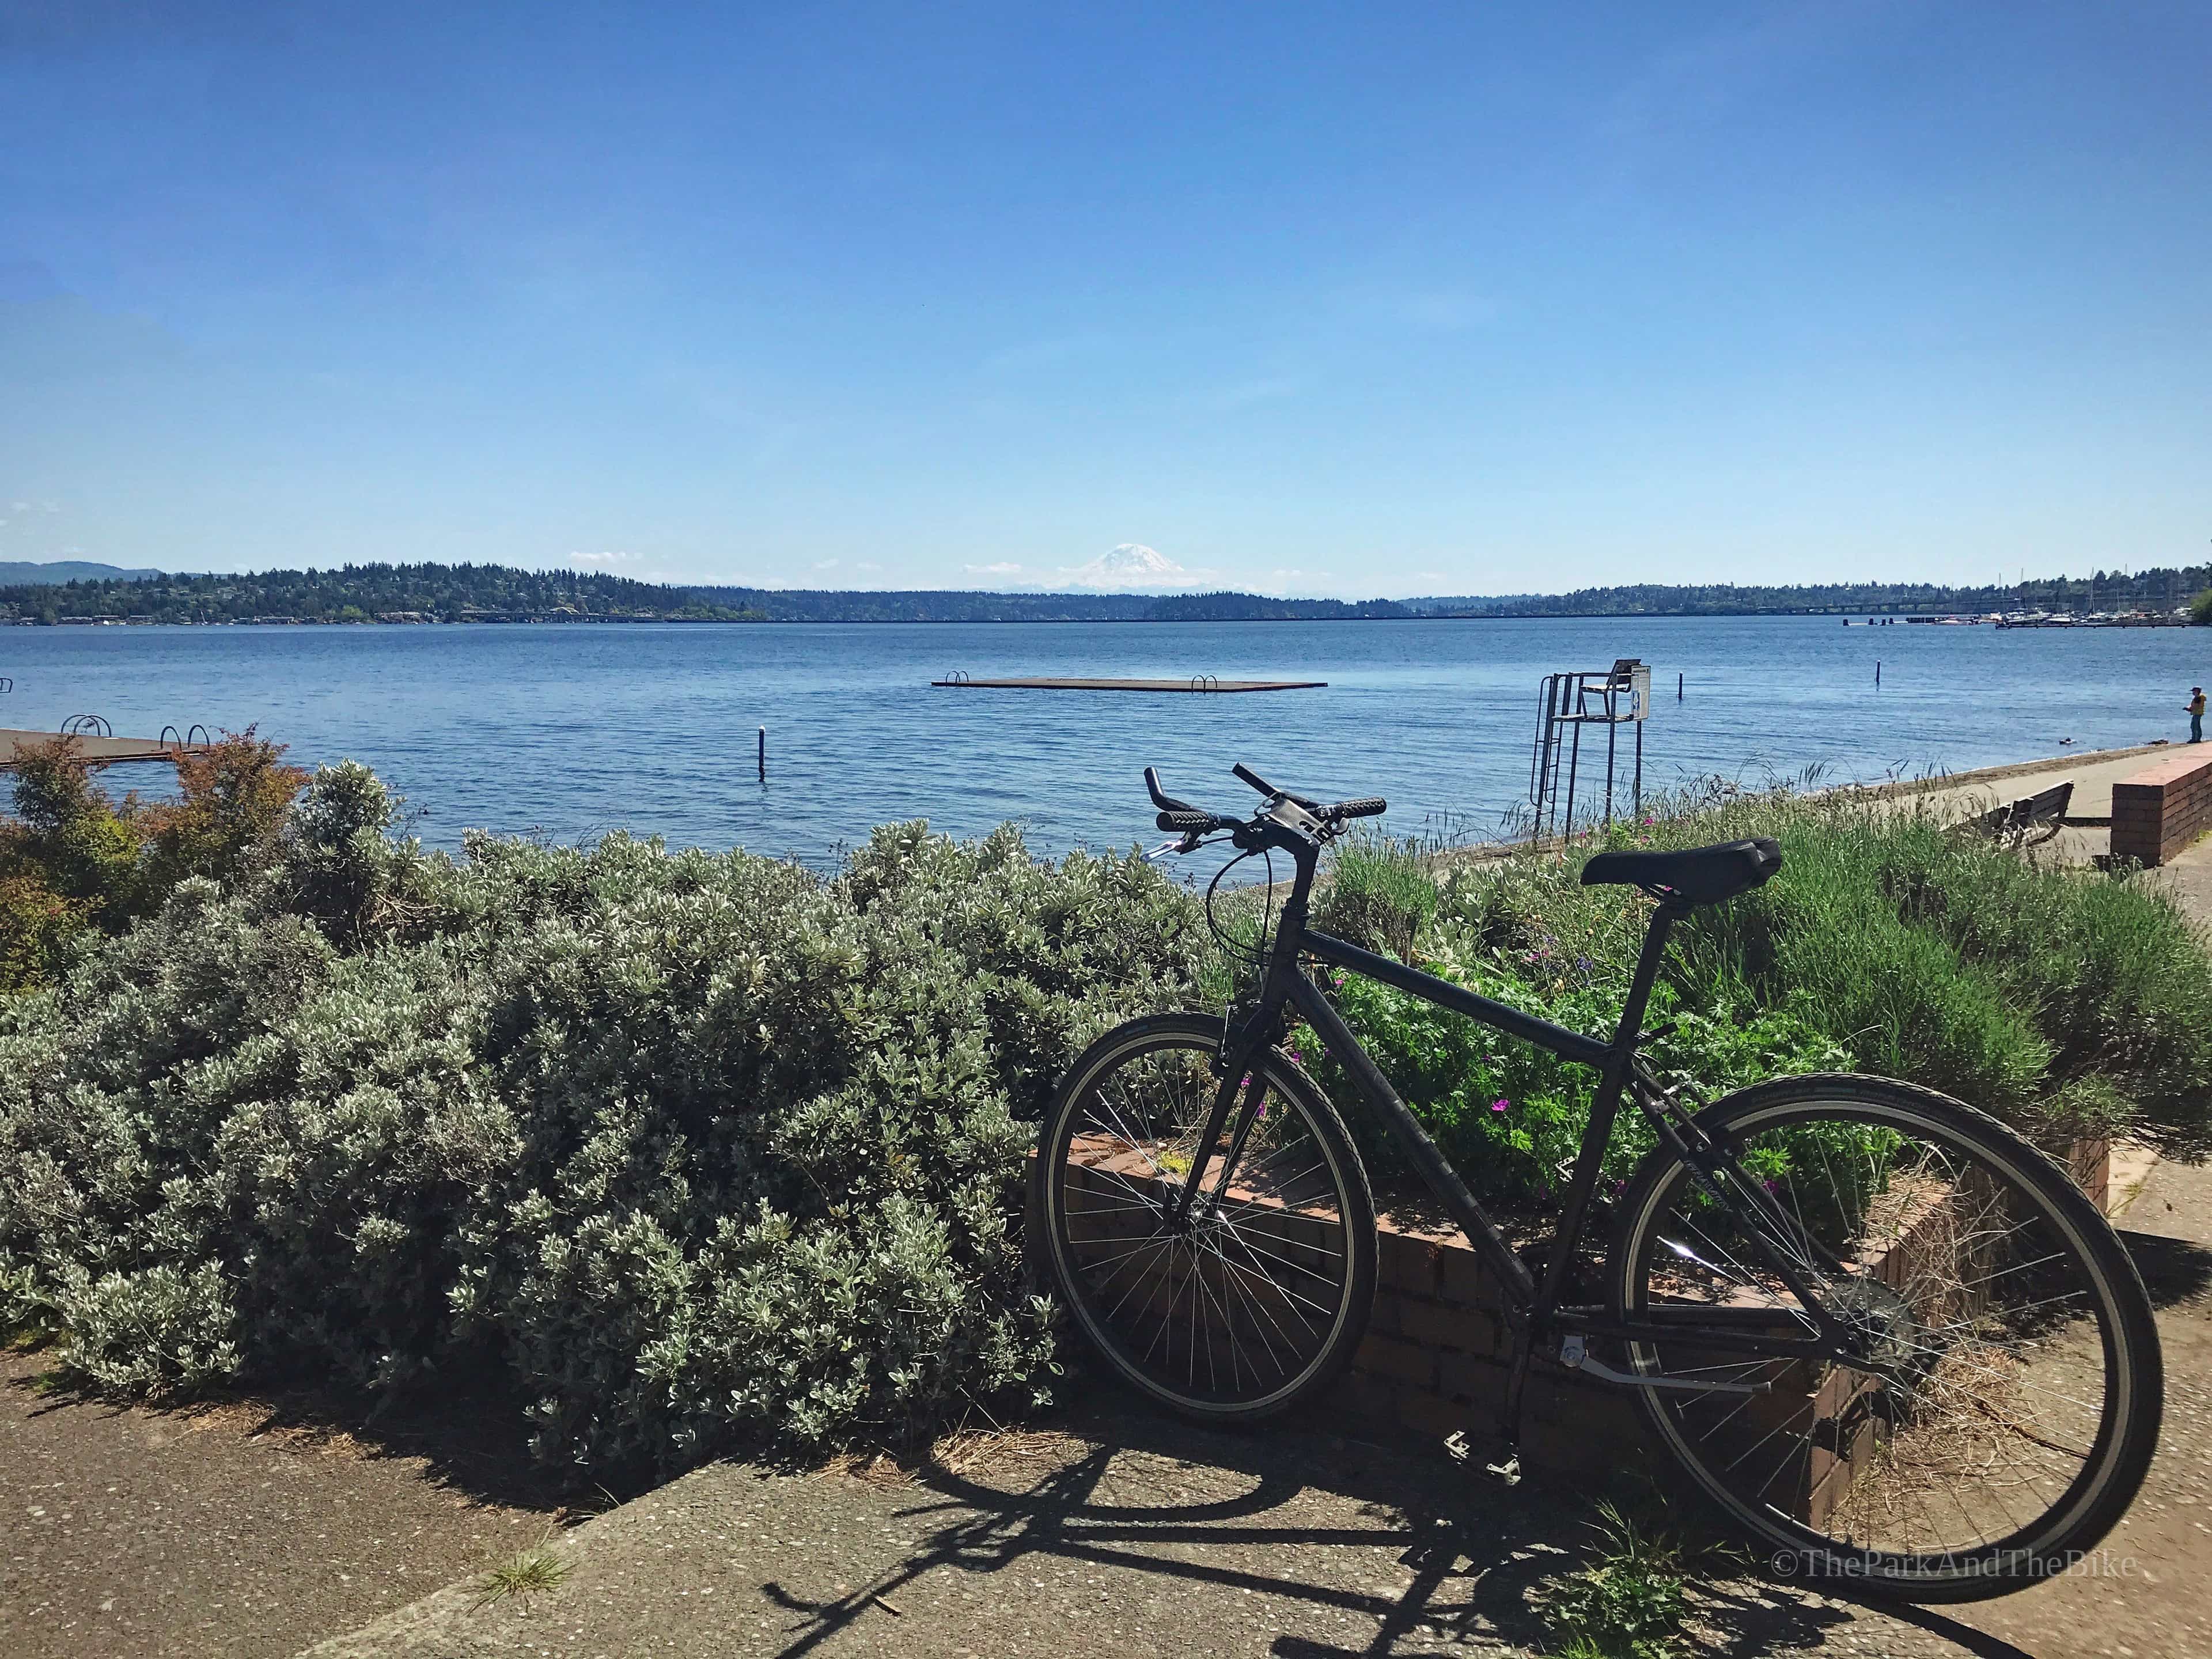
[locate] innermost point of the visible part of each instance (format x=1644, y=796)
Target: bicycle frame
x=1535, y=1307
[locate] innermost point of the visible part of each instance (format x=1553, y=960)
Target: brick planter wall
x=2162, y=809
x=1434, y=1361
x=1434, y=1357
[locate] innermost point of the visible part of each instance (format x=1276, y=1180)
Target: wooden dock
x=1196, y=682
x=103, y=750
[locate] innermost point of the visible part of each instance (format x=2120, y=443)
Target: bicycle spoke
x=1988, y=1380
x=1243, y=1298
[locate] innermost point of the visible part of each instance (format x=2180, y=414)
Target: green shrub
x=1380, y=894
x=702, y=1152
x=2069, y=1002
x=698, y=1151
x=1946, y=959
x=1508, y=1114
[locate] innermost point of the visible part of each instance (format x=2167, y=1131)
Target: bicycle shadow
x=2174, y=1270
x=1313, y=1517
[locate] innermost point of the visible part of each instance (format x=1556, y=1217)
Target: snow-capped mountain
x=1131, y=565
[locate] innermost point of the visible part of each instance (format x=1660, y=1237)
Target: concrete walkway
x=2093, y=775
x=238, y=1528
x=2187, y=875
x=1122, y=1532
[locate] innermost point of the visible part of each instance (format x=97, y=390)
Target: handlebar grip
x=1161, y=798
x=1368, y=806
x=1186, y=822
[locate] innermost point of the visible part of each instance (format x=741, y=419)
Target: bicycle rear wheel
x=1258, y=1299
x=2010, y=1401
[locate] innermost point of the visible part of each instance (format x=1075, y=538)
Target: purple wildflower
x=1499, y=1105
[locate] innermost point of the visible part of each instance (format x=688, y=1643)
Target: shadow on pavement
x=1981, y=1645
x=2173, y=1269
x=472, y=1439
x=1312, y=1517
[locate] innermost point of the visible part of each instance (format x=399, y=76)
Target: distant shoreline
x=425, y=594
x=2085, y=624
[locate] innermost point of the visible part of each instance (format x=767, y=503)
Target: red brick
x=1374, y=1398
x=1398, y=1360
x=1440, y=1325
x=1407, y=1262
x=1428, y=1413
x=1587, y=1441
x=1471, y=1377
x=1467, y=1280
x=2162, y=809
x=2091, y=1163
x=1384, y=1316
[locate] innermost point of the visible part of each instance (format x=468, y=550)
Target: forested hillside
x=489, y=593
x=372, y=592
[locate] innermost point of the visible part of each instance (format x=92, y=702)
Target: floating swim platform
x=97, y=747
x=1195, y=683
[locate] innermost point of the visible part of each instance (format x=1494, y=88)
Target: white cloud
x=1001, y=569
x=867, y=564
x=611, y=556
x=826, y=564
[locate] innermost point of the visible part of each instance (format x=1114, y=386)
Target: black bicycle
x=1894, y=1341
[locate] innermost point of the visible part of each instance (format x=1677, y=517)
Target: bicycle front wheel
x=2009, y=1401
x=1257, y=1298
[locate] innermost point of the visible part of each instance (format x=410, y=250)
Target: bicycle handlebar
x=1181, y=817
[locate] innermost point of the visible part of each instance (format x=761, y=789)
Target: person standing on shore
x=2195, y=706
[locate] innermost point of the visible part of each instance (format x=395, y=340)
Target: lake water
x=572, y=730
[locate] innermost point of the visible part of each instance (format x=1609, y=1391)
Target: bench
x=2026, y=822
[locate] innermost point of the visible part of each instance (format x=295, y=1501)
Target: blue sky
x=1334, y=300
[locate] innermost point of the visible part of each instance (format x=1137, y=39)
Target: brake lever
x=1173, y=846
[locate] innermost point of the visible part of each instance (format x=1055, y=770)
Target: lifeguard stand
x=1611, y=698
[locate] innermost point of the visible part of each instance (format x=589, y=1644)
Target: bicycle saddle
x=1697, y=875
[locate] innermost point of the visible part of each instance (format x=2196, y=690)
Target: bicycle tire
x=1958, y=1392
x=1307, y=1231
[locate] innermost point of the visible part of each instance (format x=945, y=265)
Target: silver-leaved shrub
x=698, y=1151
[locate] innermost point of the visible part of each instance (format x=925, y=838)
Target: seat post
x=1647, y=972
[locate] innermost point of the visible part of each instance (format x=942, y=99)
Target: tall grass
x=2066, y=1001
